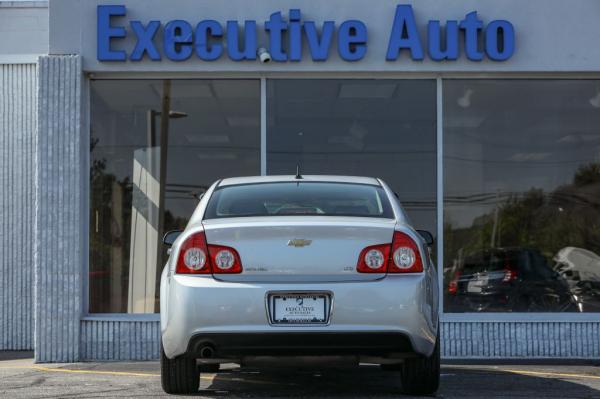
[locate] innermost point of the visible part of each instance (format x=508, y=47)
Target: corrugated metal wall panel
x=59, y=244
x=528, y=339
x=119, y=340
x=139, y=340
x=18, y=112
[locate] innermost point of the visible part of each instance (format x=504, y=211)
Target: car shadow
x=371, y=381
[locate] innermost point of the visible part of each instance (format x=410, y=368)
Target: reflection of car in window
x=581, y=269
x=507, y=279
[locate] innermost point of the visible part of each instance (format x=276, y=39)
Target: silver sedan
x=274, y=268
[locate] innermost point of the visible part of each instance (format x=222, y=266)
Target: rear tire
x=179, y=375
x=421, y=376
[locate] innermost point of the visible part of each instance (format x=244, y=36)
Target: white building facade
x=484, y=117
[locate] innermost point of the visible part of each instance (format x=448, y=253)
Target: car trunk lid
x=292, y=249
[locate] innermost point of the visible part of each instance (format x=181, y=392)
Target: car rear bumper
x=391, y=315
x=375, y=344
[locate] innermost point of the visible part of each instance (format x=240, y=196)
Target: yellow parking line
x=551, y=374
x=125, y=373
x=212, y=376
x=75, y=371
x=209, y=377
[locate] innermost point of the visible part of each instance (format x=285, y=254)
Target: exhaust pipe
x=207, y=352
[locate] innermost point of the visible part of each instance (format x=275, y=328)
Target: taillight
x=196, y=257
x=453, y=287
x=224, y=259
x=374, y=259
x=406, y=257
x=193, y=256
x=453, y=284
x=510, y=273
x=402, y=256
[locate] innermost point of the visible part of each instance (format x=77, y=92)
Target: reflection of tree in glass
x=110, y=225
x=587, y=174
x=569, y=215
x=110, y=201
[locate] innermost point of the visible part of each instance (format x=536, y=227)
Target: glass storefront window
x=213, y=131
x=521, y=174
x=521, y=195
x=381, y=128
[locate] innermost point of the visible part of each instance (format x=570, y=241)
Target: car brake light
x=374, y=259
x=196, y=257
x=193, y=257
x=453, y=284
x=402, y=256
x=224, y=259
x=406, y=257
x=510, y=273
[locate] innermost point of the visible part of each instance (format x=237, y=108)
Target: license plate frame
x=321, y=301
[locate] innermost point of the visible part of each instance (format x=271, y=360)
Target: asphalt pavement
x=21, y=378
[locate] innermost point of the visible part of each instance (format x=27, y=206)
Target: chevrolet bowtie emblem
x=298, y=242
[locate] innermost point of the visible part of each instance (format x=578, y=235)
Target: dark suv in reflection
x=507, y=279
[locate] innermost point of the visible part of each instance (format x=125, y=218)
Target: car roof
x=305, y=178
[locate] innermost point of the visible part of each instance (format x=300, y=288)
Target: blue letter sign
x=285, y=36
x=145, y=37
x=404, y=35
x=499, y=47
x=106, y=32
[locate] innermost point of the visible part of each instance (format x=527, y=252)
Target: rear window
x=496, y=260
x=483, y=262
x=298, y=198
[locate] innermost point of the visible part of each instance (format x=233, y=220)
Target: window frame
x=493, y=317
x=263, y=77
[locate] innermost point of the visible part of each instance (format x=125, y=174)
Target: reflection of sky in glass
x=512, y=151
x=218, y=138
x=379, y=128
x=514, y=135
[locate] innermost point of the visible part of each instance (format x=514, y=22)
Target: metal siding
x=58, y=238
x=519, y=340
x=139, y=340
x=119, y=340
x=18, y=111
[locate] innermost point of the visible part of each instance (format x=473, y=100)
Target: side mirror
x=170, y=237
x=427, y=236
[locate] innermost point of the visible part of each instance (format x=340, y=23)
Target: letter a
x=404, y=35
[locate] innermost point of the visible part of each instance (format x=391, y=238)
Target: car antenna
x=298, y=175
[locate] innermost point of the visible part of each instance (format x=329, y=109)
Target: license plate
x=477, y=283
x=299, y=308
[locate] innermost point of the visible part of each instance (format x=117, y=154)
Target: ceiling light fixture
x=465, y=100
x=595, y=101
